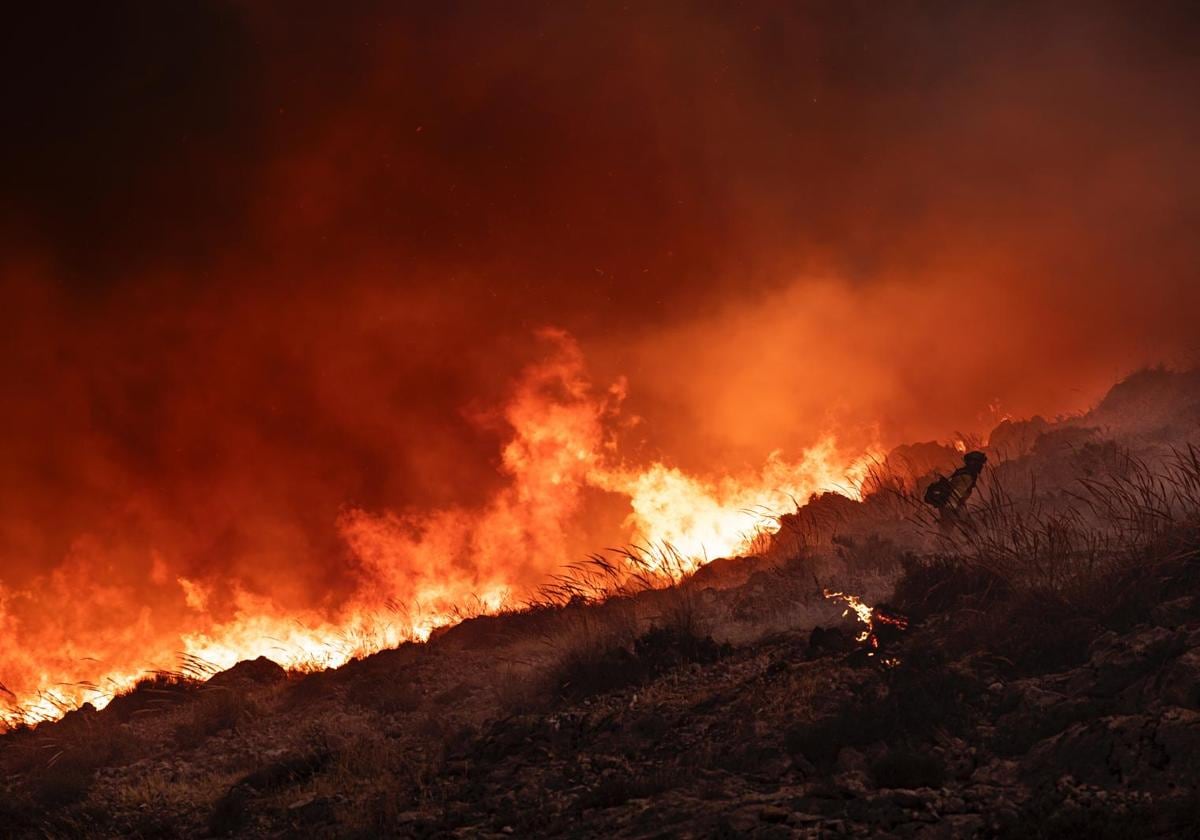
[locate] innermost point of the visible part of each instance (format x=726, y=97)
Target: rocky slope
x=776, y=738
x=1047, y=686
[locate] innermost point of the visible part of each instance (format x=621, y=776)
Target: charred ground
x=1048, y=685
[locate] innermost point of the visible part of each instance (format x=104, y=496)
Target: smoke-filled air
x=328, y=328
x=309, y=346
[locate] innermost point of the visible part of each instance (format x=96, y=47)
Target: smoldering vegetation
x=1048, y=684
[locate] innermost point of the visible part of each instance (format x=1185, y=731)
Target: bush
x=871, y=553
x=936, y=585
x=158, y=692
x=390, y=696
x=665, y=647
x=17, y=813
x=308, y=689
x=1040, y=635
x=67, y=777
x=286, y=771
x=583, y=673
x=819, y=741
x=922, y=695
x=230, y=814
x=586, y=671
x=215, y=710
x=62, y=784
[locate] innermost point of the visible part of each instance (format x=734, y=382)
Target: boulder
x=250, y=672
x=1180, y=682
x=1104, y=752
x=1035, y=713
x=1176, y=612
x=1178, y=735
x=1118, y=661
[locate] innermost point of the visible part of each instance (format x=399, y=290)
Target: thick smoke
x=274, y=272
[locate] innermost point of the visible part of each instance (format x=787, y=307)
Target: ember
x=876, y=621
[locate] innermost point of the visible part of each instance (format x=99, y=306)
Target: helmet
x=975, y=459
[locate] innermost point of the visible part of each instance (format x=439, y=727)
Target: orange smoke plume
x=417, y=569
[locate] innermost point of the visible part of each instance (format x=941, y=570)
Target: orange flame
x=416, y=568
x=705, y=518
x=867, y=616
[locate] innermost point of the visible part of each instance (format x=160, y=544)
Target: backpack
x=938, y=493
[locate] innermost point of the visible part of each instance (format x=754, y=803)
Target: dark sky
x=664, y=144
x=263, y=260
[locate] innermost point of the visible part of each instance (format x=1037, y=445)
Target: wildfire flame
x=417, y=569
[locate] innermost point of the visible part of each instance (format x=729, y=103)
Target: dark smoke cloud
x=269, y=260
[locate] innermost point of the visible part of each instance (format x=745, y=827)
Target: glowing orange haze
x=254, y=308
x=419, y=568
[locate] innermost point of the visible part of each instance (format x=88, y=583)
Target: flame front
x=417, y=570
x=705, y=518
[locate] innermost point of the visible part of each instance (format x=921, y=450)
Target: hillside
x=1047, y=684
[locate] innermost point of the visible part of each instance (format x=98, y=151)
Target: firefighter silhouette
x=949, y=495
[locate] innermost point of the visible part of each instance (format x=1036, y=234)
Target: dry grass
x=216, y=709
x=1133, y=517
x=617, y=572
x=389, y=697
x=1029, y=577
x=1034, y=577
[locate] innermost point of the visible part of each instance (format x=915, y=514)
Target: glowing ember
x=870, y=618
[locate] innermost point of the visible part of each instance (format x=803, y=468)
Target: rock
x=851, y=760
x=773, y=764
x=824, y=641
x=1178, y=735
x=998, y=773
x=1117, y=661
x=744, y=821
x=261, y=671
x=918, y=460
x=1036, y=713
x=1176, y=612
x=1101, y=752
x=311, y=810
x=1181, y=681
x=959, y=764
x=908, y=798
x=958, y=826
x=803, y=766
x=1014, y=438
x=1006, y=815
x=953, y=805
x=773, y=814
x=854, y=782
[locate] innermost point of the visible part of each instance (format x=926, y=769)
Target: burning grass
x=1024, y=586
